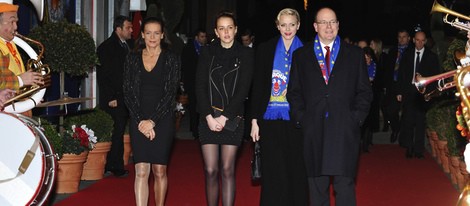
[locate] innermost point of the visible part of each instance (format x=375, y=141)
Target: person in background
x=248, y=38
x=223, y=80
x=284, y=180
x=379, y=85
x=372, y=121
x=418, y=59
x=391, y=65
x=112, y=54
x=329, y=95
x=151, y=79
x=362, y=43
x=189, y=58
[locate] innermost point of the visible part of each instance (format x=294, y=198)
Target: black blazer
x=331, y=145
x=236, y=80
x=109, y=73
x=429, y=66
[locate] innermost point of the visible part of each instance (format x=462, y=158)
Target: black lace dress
x=149, y=101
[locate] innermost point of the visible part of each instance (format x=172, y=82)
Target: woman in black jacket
x=284, y=179
x=151, y=78
x=222, y=83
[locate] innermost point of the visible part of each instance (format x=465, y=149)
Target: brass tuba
x=34, y=65
x=33, y=94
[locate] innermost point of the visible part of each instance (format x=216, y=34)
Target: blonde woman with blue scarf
x=284, y=180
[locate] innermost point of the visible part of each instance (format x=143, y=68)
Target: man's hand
x=5, y=95
x=112, y=103
x=399, y=97
x=32, y=78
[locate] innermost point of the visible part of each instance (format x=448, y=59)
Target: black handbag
x=256, y=163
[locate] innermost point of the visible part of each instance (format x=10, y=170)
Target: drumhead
x=16, y=139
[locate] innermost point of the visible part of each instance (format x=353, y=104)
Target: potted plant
x=69, y=47
x=70, y=52
x=102, y=125
x=97, y=120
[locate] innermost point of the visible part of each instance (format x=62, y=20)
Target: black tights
x=210, y=153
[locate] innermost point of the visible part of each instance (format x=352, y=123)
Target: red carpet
x=385, y=178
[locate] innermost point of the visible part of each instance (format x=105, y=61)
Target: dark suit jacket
x=331, y=145
x=429, y=66
x=109, y=73
x=189, y=59
x=389, y=67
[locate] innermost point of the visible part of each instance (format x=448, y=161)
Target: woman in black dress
x=284, y=179
x=151, y=78
x=222, y=83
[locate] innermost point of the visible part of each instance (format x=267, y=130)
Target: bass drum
x=18, y=134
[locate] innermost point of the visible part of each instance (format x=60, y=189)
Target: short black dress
x=156, y=151
x=206, y=136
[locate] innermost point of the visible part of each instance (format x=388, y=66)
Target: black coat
x=110, y=73
x=261, y=92
x=331, y=145
x=233, y=82
x=429, y=66
x=189, y=58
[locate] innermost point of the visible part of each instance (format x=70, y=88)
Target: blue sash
x=321, y=59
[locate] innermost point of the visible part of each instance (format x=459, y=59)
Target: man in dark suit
x=391, y=65
x=416, y=60
x=112, y=54
x=330, y=95
x=189, y=59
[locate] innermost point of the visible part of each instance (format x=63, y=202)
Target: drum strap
x=28, y=158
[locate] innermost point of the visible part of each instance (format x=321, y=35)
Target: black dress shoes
x=419, y=156
x=118, y=173
x=409, y=153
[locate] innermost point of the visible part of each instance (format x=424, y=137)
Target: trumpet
x=436, y=7
x=34, y=65
x=422, y=82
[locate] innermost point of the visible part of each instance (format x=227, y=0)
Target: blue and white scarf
x=278, y=107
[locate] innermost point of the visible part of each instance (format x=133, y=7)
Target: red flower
x=81, y=134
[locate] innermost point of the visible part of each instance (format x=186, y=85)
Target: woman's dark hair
x=140, y=42
x=370, y=52
x=227, y=14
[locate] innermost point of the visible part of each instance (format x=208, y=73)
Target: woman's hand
x=221, y=119
x=213, y=124
x=146, y=127
x=254, y=130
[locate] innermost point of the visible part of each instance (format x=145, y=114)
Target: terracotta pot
x=69, y=172
x=432, y=136
x=455, y=162
x=127, y=148
x=443, y=155
x=93, y=169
